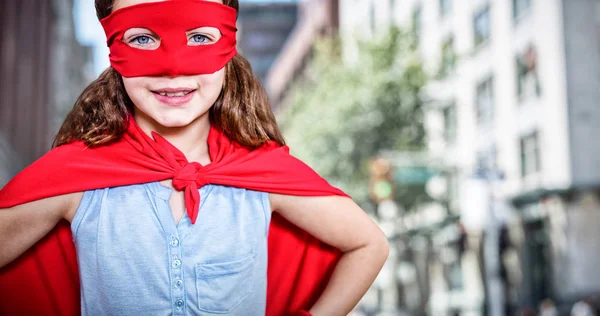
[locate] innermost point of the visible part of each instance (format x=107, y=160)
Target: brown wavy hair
x=242, y=110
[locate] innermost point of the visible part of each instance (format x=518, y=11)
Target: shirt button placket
x=174, y=241
x=177, y=290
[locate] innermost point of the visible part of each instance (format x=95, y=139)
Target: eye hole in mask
x=143, y=38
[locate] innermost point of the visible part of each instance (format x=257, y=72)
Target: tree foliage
x=340, y=116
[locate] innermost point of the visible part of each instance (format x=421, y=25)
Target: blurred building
x=317, y=18
x=263, y=29
x=42, y=71
x=512, y=117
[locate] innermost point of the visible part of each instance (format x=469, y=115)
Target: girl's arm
x=339, y=222
x=23, y=225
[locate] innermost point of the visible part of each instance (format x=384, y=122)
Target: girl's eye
x=200, y=39
x=142, y=40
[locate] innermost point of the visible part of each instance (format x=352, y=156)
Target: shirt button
x=176, y=263
x=174, y=242
x=179, y=303
x=178, y=283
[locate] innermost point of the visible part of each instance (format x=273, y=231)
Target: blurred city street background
x=465, y=128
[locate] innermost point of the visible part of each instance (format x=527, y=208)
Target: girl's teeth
x=174, y=94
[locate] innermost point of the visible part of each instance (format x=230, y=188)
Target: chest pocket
x=221, y=287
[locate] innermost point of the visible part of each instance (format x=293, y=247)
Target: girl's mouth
x=174, y=96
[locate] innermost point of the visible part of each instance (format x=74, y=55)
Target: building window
x=520, y=7
x=450, y=124
x=445, y=7
x=528, y=83
x=481, y=25
x=487, y=159
x=417, y=24
x=448, y=57
x=530, y=154
x=485, y=101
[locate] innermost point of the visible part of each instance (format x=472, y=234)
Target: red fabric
x=45, y=279
x=170, y=20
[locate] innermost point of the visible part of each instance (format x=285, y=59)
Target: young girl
x=168, y=169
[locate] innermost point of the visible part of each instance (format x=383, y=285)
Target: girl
x=168, y=169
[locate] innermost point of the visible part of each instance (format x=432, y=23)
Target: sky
x=89, y=31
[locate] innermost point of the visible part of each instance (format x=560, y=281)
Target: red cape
x=45, y=279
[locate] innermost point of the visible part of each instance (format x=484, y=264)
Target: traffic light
x=381, y=186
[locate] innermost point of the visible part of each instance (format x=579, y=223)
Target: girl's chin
x=174, y=122
x=170, y=118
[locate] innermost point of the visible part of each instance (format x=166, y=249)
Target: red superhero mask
x=170, y=20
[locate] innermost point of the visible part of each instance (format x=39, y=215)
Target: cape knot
x=188, y=175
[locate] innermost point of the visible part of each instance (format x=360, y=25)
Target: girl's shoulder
x=72, y=201
x=62, y=206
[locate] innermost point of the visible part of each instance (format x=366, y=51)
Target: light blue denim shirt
x=134, y=260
